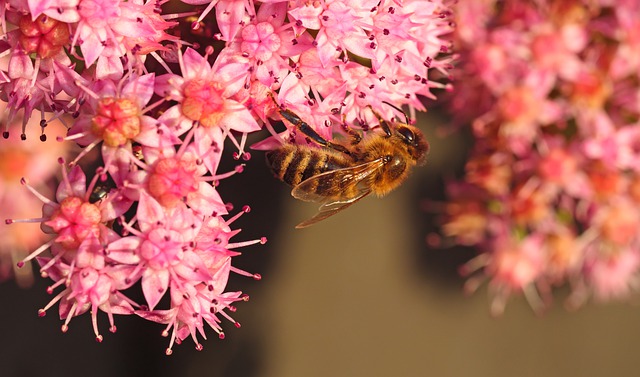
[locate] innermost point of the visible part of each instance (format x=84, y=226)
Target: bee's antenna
x=406, y=117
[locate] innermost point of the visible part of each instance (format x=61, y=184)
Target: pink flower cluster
x=129, y=79
x=551, y=191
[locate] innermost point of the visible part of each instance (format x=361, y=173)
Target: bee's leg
x=356, y=137
x=310, y=132
x=306, y=128
x=383, y=123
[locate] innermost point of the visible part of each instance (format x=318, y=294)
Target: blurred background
x=360, y=294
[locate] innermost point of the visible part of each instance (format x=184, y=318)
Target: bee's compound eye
x=407, y=134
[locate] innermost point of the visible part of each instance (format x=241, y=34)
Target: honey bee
x=338, y=175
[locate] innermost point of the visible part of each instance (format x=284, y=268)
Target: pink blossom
x=175, y=177
x=19, y=89
x=105, y=29
x=73, y=218
x=92, y=285
x=115, y=115
x=204, y=95
x=126, y=77
x=161, y=248
x=613, y=277
x=189, y=258
x=264, y=45
x=560, y=169
x=627, y=140
x=554, y=115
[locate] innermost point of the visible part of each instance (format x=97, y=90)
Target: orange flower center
x=203, y=102
x=172, y=180
x=74, y=221
x=44, y=36
x=117, y=121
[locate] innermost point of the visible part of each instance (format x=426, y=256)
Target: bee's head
x=417, y=146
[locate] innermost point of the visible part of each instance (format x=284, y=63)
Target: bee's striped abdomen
x=294, y=164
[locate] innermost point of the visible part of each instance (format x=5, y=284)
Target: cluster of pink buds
x=551, y=191
x=161, y=95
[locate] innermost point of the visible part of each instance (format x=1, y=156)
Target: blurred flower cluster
x=161, y=89
x=551, y=190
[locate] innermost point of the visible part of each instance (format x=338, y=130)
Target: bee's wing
x=347, y=178
x=331, y=208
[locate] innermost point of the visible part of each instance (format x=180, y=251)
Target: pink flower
x=555, y=161
x=160, y=248
x=117, y=75
x=105, y=29
x=263, y=47
x=92, y=284
x=168, y=249
x=628, y=142
x=613, y=277
x=204, y=96
x=73, y=218
x=174, y=178
x=175, y=251
x=515, y=266
x=19, y=89
x=115, y=115
x=78, y=261
x=39, y=46
x=399, y=59
x=560, y=169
